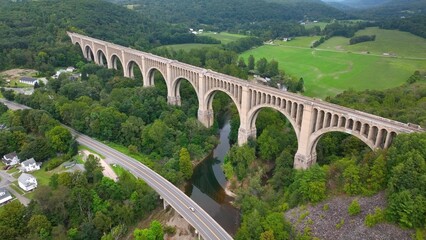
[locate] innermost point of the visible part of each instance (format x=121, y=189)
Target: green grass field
x=188, y=46
x=327, y=71
x=224, y=37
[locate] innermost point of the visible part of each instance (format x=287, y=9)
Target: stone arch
x=88, y=53
x=130, y=67
x=176, y=85
x=114, y=62
x=208, y=99
x=316, y=136
x=101, y=58
x=150, y=76
x=254, y=112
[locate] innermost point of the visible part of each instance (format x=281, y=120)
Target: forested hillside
x=225, y=14
x=33, y=34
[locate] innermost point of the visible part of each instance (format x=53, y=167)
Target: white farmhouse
x=11, y=159
x=4, y=195
x=27, y=182
x=29, y=165
x=28, y=80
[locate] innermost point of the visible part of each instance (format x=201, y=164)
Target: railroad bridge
x=310, y=117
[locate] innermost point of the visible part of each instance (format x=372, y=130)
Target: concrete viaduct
x=310, y=118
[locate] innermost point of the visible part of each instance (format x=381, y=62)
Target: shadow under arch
x=151, y=75
x=88, y=53
x=116, y=63
x=134, y=70
x=318, y=135
x=181, y=86
x=101, y=58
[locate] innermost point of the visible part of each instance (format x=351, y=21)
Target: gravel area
x=336, y=223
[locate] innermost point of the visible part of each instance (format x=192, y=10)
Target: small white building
x=28, y=80
x=11, y=159
x=27, y=182
x=70, y=69
x=4, y=195
x=29, y=165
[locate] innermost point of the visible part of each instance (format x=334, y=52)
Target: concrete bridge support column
x=145, y=75
x=165, y=203
x=172, y=96
x=306, y=156
x=205, y=115
x=108, y=58
x=123, y=59
x=245, y=131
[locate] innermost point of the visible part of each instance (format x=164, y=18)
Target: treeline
x=363, y=38
x=415, y=25
x=341, y=29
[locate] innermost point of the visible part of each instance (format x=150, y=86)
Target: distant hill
x=223, y=13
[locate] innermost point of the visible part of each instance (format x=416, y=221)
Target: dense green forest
x=34, y=32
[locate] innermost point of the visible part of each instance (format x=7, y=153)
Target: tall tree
x=185, y=164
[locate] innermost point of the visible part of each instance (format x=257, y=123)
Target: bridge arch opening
x=101, y=58
x=336, y=144
x=89, y=53
x=189, y=103
x=155, y=75
x=134, y=71
x=275, y=133
x=117, y=64
x=285, y=115
x=156, y=78
x=218, y=106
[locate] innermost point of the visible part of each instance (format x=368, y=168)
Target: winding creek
x=207, y=185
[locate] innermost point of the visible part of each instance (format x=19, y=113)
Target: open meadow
x=224, y=37
x=336, y=66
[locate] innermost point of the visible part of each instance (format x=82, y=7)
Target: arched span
x=150, y=76
x=130, y=65
x=209, y=96
x=316, y=136
x=254, y=112
x=90, y=56
x=176, y=86
x=114, y=63
x=101, y=57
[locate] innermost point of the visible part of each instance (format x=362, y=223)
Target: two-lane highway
x=198, y=218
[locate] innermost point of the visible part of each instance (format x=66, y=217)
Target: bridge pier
x=206, y=117
x=304, y=161
x=174, y=100
x=245, y=134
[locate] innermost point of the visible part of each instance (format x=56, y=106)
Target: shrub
x=374, y=218
x=54, y=163
x=354, y=208
x=339, y=225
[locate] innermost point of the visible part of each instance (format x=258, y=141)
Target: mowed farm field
x=336, y=66
x=224, y=37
